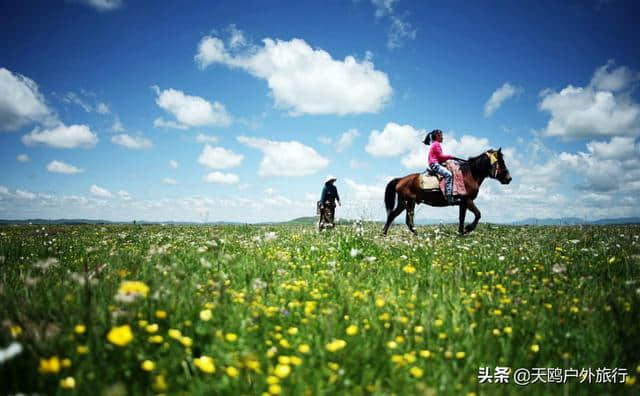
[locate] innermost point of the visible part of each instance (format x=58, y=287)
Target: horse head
x=499, y=170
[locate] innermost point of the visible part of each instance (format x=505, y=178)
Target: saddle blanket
x=428, y=182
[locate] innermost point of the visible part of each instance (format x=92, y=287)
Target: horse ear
x=500, y=149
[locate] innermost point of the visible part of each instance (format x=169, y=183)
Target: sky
x=238, y=111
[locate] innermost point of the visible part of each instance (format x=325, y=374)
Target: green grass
x=429, y=310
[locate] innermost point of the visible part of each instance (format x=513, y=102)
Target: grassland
x=285, y=310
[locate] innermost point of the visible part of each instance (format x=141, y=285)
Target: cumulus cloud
x=56, y=166
x=22, y=194
x=103, y=108
x=20, y=102
x=202, y=138
x=346, y=139
x=132, y=142
x=117, y=125
x=219, y=177
x=282, y=158
x=124, y=195
x=23, y=158
x=363, y=192
x=219, y=158
x=304, y=80
x=173, y=164
x=393, y=140
x=189, y=110
x=603, y=108
x=464, y=147
x=607, y=166
x=62, y=136
x=499, y=96
x=101, y=5
x=100, y=192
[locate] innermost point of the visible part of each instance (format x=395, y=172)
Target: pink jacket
x=435, y=154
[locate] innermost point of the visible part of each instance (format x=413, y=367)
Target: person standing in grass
x=327, y=203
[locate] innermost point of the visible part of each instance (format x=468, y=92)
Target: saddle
x=430, y=180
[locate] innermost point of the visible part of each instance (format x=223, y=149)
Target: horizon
x=199, y=112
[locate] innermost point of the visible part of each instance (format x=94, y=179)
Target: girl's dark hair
x=431, y=136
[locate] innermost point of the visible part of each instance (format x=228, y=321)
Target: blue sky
x=237, y=111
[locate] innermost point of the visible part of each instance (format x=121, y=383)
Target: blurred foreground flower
x=120, y=335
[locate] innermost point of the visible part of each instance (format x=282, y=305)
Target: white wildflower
x=13, y=350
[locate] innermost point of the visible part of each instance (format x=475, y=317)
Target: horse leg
x=411, y=205
x=463, y=212
x=393, y=214
x=476, y=212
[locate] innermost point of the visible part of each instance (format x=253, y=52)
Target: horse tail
x=390, y=195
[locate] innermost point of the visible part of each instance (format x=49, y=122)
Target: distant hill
x=576, y=221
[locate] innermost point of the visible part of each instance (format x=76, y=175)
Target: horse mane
x=478, y=166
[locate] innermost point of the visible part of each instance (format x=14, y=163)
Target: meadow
x=285, y=310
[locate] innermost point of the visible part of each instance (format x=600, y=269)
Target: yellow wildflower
x=535, y=348
x=336, y=345
x=416, y=372
x=152, y=328
x=460, y=355
x=275, y=389
x=282, y=370
x=205, y=364
x=352, y=330
x=49, y=366
x=186, y=341
x=232, y=372
x=437, y=322
x=425, y=353
x=175, y=334
x=161, y=314
x=66, y=362
x=293, y=330
x=409, y=269
x=304, y=348
x=296, y=361
x=206, y=315
x=230, y=337
x=80, y=329
x=135, y=288
x=508, y=330
x=148, y=365
x=82, y=349
x=68, y=383
x=159, y=384
x=15, y=330
x=156, y=339
x=120, y=335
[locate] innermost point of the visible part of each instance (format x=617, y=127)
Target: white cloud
x=169, y=124
x=132, y=142
x=505, y=92
x=325, y=140
x=173, y=164
x=102, y=108
x=219, y=177
x=124, y=195
x=603, y=108
x=23, y=158
x=363, y=192
x=219, y=158
x=71, y=97
x=62, y=136
x=100, y=192
x=399, y=31
x=168, y=180
x=285, y=158
x=383, y=7
x=346, y=139
x=202, y=138
x=56, y=166
x=117, y=125
x=102, y=5
x=394, y=140
x=20, y=102
x=190, y=110
x=304, y=80
x=25, y=195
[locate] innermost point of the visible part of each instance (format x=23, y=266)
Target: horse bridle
x=495, y=164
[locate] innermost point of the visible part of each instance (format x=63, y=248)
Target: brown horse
x=475, y=170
